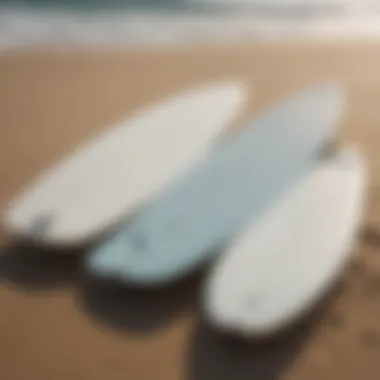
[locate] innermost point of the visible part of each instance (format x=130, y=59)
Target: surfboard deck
x=212, y=203
x=112, y=174
x=285, y=262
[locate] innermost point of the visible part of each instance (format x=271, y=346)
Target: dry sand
x=55, y=325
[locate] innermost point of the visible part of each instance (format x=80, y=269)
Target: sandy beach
x=56, y=324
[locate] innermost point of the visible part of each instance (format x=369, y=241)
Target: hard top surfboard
x=112, y=174
x=214, y=201
x=284, y=263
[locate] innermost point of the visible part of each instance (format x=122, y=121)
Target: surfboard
x=112, y=174
x=214, y=201
x=285, y=262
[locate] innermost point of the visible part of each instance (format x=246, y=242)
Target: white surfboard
x=285, y=262
x=112, y=174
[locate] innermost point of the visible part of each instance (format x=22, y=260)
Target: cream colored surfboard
x=112, y=174
x=286, y=261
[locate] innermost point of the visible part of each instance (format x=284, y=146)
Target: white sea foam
x=209, y=21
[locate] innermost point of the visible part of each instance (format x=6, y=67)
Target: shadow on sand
x=214, y=355
x=30, y=267
x=136, y=310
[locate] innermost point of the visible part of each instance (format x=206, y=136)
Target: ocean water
x=99, y=4
x=93, y=22
x=270, y=6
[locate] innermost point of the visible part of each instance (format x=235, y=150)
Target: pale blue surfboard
x=216, y=199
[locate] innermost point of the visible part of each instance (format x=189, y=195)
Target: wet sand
x=56, y=324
